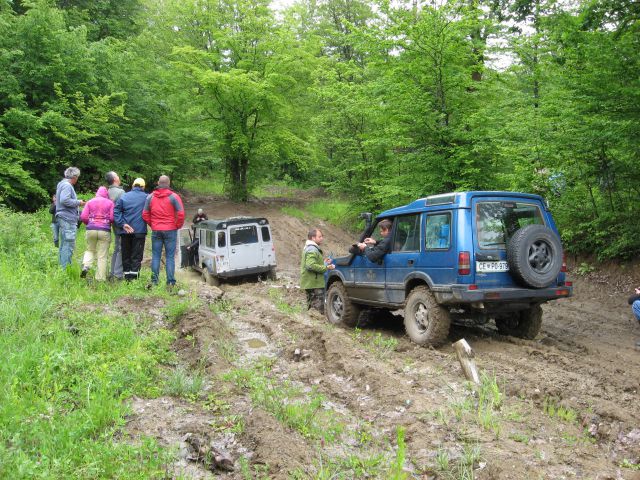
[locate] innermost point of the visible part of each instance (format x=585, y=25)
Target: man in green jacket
x=312, y=268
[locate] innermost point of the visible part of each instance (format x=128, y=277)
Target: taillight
x=464, y=263
x=473, y=286
x=564, y=262
x=562, y=291
x=568, y=284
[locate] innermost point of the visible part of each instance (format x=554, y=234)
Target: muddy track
x=570, y=406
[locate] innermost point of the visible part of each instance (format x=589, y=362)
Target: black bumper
x=245, y=271
x=460, y=294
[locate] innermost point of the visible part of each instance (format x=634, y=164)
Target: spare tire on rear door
x=534, y=254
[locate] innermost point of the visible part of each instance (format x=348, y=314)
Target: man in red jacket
x=164, y=213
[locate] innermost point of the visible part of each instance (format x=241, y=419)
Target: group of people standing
x=126, y=215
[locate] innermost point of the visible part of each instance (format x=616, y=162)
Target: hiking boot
x=638, y=345
x=56, y=244
x=83, y=273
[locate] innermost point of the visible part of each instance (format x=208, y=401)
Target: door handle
x=233, y=250
x=410, y=262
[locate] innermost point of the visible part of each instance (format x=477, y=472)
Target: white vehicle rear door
x=244, y=247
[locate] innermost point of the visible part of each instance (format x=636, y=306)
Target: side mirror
x=367, y=216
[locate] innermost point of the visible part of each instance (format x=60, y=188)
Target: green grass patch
x=294, y=212
x=375, y=342
x=337, y=212
x=282, y=304
x=554, y=410
x=205, y=185
x=299, y=410
x=70, y=361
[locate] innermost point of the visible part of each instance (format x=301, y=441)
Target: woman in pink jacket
x=97, y=216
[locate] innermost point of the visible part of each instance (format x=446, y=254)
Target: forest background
x=379, y=102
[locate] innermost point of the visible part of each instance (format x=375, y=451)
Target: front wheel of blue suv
x=339, y=308
x=426, y=322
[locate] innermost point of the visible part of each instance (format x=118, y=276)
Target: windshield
x=496, y=222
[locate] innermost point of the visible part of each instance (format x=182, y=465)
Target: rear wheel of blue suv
x=459, y=257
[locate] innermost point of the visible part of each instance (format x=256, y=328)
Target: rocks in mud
x=202, y=451
x=210, y=294
x=301, y=354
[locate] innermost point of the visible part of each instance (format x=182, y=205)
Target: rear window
x=244, y=234
x=496, y=222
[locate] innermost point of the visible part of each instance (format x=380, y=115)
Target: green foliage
x=69, y=366
x=379, y=103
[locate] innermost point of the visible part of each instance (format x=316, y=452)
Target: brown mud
x=570, y=404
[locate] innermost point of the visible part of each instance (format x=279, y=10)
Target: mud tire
x=534, y=254
x=524, y=324
x=209, y=278
x=271, y=274
x=339, y=309
x=426, y=322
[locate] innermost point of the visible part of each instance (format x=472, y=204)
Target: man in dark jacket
x=128, y=219
x=164, y=213
x=375, y=250
x=199, y=217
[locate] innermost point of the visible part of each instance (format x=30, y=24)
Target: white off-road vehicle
x=228, y=248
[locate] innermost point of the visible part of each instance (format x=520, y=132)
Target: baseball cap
x=138, y=182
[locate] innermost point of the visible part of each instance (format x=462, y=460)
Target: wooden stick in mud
x=465, y=356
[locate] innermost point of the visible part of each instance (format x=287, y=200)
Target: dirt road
x=286, y=395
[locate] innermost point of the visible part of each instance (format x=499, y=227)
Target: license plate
x=486, y=267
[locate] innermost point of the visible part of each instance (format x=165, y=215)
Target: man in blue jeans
x=67, y=216
x=164, y=213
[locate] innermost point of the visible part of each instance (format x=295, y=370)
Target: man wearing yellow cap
x=128, y=216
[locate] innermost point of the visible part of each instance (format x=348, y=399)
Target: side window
x=211, y=239
x=407, y=236
x=438, y=234
x=222, y=239
x=266, y=235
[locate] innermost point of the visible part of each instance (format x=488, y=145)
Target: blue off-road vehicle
x=467, y=256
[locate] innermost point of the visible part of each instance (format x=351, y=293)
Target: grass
x=382, y=346
x=277, y=297
x=554, y=410
x=462, y=468
x=299, y=410
x=180, y=383
x=345, y=467
x=626, y=463
x=336, y=212
x=207, y=185
x=70, y=362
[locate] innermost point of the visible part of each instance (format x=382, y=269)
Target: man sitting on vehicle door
x=312, y=269
x=375, y=250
